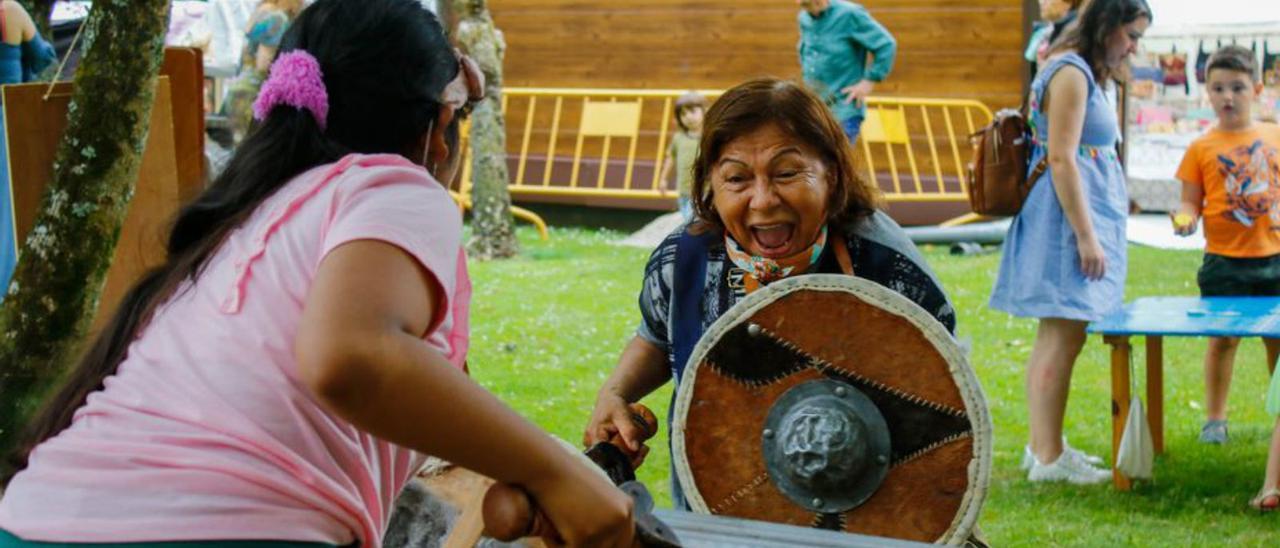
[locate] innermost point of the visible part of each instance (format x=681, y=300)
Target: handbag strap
x=1041, y=167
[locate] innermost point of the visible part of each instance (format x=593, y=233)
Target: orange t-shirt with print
x=1240, y=174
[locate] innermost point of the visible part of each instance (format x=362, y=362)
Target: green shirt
x=683, y=150
x=833, y=52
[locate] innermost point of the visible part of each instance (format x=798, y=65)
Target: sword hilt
x=509, y=514
x=647, y=422
x=509, y=511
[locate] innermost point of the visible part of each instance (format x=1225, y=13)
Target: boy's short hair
x=1234, y=58
x=691, y=99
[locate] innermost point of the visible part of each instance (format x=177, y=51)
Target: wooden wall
x=946, y=48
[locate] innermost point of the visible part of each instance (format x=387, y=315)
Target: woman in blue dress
x=1064, y=258
x=23, y=56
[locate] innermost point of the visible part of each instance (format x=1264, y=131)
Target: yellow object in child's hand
x=1182, y=220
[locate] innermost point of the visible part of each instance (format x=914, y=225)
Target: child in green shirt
x=683, y=149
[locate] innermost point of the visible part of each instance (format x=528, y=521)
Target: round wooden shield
x=834, y=402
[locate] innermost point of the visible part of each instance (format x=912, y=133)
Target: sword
x=510, y=514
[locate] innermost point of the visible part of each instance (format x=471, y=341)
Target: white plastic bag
x=1137, y=452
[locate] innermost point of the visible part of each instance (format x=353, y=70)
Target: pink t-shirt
x=206, y=432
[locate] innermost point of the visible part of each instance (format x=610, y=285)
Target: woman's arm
x=266, y=54
x=641, y=370
x=37, y=54
x=1068, y=95
x=668, y=166
x=17, y=17
x=360, y=352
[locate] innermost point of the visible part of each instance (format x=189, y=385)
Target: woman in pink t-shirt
x=282, y=375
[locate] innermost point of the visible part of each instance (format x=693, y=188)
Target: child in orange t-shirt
x=1231, y=177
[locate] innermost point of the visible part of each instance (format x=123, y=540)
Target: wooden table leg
x=1155, y=391
x=1119, y=401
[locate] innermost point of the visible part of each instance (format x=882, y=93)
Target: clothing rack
x=1239, y=35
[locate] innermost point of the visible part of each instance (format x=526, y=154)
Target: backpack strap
x=688, y=282
x=1052, y=69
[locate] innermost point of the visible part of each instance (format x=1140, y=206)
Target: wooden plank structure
x=172, y=168
x=155, y=195
x=946, y=50
x=185, y=69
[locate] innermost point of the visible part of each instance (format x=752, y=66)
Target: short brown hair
x=1234, y=58
x=691, y=99
x=799, y=113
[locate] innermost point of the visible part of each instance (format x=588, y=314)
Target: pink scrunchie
x=295, y=80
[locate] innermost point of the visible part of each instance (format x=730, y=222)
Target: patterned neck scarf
x=760, y=271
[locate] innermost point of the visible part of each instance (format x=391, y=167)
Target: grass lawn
x=547, y=329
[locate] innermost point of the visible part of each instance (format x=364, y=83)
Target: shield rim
x=979, y=469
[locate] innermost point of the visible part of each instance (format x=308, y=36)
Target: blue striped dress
x=1040, y=273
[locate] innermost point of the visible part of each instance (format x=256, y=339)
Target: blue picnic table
x=1157, y=317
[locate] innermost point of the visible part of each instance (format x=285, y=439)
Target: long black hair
x=385, y=64
x=1088, y=35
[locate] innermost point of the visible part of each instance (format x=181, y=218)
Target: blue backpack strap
x=687, y=284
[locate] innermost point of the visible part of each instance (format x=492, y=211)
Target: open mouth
x=773, y=239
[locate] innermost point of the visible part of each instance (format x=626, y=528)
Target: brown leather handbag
x=998, y=182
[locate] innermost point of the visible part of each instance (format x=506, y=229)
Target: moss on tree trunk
x=54, y=292
x=492, y=227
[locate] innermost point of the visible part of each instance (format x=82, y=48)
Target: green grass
x=547, y=329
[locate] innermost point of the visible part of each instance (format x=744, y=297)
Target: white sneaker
x=1069, y=467
x=1029, y=458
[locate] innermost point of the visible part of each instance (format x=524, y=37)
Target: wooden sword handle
x=509, y=514
x=509, y=511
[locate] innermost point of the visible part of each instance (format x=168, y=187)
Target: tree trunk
x=41, y=11
x=64, y=260
x=492, y=227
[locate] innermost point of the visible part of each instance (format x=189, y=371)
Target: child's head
x=385, y=64
x=1231, y=81
x=1052, y=10
x=690, y=108
x=814, y=7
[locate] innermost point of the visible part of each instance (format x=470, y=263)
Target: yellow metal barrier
x=464, y=203
x=610, y=143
